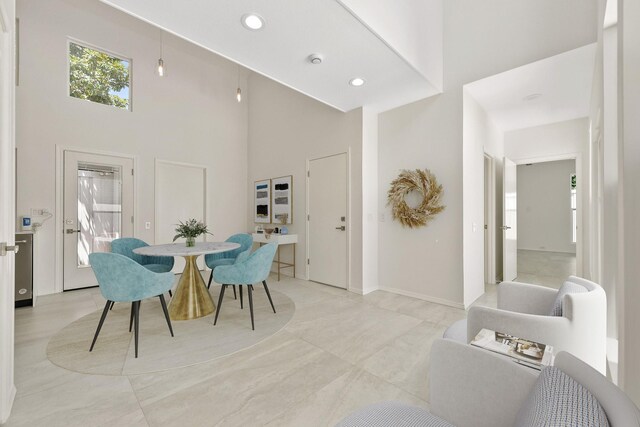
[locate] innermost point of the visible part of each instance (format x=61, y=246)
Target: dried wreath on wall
x=425, y=183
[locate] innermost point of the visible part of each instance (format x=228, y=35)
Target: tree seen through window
x=98, y=76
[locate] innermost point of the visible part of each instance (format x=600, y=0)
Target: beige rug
x=195, y=341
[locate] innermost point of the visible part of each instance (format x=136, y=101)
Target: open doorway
x=547, y=222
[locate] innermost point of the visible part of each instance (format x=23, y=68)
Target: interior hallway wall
x=562, y=140
x=478, y=42
x=287, y=128
x=191, y=115
x=544, y=206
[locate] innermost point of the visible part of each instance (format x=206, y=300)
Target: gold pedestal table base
x=191, y=299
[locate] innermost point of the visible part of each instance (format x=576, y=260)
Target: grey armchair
x=524, y=310
x=472, y=387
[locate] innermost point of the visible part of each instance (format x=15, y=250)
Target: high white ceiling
x=295, y=29
x=564, y=82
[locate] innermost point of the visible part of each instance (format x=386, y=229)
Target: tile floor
x=339, y=352
x=545, y=268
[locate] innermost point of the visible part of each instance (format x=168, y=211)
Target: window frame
x=108, y=52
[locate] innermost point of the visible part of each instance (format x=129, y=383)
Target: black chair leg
x=235, y=296
x=219, y=304
x=240, y=287
x=266, y=288
x=112, y=304
x=250, y=292
x=107, y=306
x=210, y=279
x=166, y=312
x=136, y=321
x=170, y=293
x=131, y=317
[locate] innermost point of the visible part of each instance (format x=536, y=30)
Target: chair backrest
x=244, y=240
x=126, y=245
x=621, y=411
x=123, y=279
x=253, y=269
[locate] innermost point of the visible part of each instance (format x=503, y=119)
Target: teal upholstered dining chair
x=121, y=279
x=158, y=264
x=227, y=258
x=247, y=270
x=126, y=245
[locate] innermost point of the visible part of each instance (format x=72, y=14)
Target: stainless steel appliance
x=24, y=269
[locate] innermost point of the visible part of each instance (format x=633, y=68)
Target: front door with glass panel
x=98, y=207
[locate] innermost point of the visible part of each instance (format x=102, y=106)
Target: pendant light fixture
x=239, y=91
x=161, y=61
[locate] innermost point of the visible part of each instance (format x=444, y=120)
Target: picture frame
x=282, y=199
x=262, y=201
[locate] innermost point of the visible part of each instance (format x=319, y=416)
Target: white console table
x=280, y=239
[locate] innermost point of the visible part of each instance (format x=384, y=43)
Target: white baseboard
x=423, y=297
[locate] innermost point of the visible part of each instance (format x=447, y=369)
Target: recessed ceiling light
x=532, y=97
x=357, y=81
x=252, y=21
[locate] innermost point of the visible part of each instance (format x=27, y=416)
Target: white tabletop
x=281, y=239
x=181, y=249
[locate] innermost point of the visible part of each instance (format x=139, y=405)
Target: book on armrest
x=529, y=353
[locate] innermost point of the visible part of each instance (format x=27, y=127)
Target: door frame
x=580, y=206
x=490, y=207
x=349, y=222
x=59, y=211
x=7, y=310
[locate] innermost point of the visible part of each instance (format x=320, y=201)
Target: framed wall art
x=282, y=199
x=262, y=198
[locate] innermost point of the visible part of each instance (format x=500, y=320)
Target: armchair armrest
x=472, y=387
x=525, y=298
x=544, y=329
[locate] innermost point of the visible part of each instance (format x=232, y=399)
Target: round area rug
x=195, y=341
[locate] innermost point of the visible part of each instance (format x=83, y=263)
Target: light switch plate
x=147, y=225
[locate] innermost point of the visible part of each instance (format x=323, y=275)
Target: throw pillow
x=560, y=401
x=566, y=288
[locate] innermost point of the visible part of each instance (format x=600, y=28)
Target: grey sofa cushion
x=566, y=288
x=392, y=414
x=457, y=331
x=560, y=401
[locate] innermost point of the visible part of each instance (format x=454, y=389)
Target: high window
x=99, y=76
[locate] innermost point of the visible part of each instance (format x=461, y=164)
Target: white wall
x=369, y=201
x=629, y=110
x=191, y=115
x=480, y=135
x=544, y=206
x=286, y=129
x=563, y=140
x=478, y=42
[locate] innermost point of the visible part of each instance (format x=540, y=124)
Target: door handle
x=4, y=249
x=71, y=231
x=506, y=227
x=341, y=228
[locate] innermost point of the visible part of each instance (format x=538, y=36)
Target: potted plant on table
x=190, y=229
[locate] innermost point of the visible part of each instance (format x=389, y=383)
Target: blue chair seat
x=158, y=268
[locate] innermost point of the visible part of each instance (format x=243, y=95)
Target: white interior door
x=328, y=220
x=180, y=195
x=510, y=221
x=98, y=207
x=7, y=205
